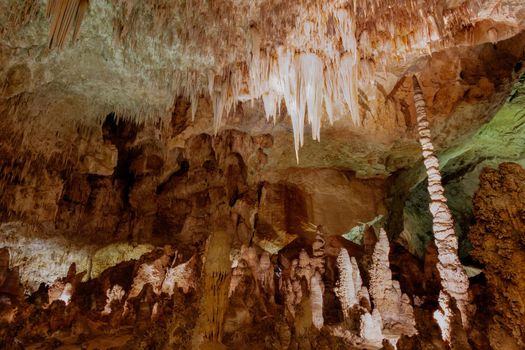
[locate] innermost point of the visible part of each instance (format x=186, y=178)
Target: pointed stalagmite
x=394, y=306
x=454, y=280
x=348, y=284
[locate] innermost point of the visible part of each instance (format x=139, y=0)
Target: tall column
x=454, y=280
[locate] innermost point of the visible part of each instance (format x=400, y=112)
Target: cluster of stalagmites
x=225, y=296
x=368, y=317
x=129, y=294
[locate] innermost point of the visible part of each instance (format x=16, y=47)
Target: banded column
x=454, y=280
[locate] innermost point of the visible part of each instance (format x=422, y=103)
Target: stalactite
x=454, y=280
x=65, y=15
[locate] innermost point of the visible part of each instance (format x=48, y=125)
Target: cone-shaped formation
x=393, y=305
x=352, y=295
x=304, y=279
x=258, y=268
x=454, y=280
x=349, y=282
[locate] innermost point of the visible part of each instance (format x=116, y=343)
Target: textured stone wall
x=498, y=238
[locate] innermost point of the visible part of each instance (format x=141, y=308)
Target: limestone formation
x=394, y=306
x=205, y=174
x=351, y=295
x=153, y=273
x=64, y=16
x=115, y=294
x=454, y=280
x=370, y=329
x=180, y=276
x=316, y=298
x=348, y=285
x=215, y=285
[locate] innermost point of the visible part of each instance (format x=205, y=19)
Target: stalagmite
x=454, y=280
x=66, y=294
x=348, y=285
x=395, y=309
x=180, y=276
x=351, y=293
x=115, y=294
x=443, y=316
x=261, y=269
x=122, y=151
x=316, y=299
x=318, y=251
x=309, y=270
x=370, y=328
x=153, y=273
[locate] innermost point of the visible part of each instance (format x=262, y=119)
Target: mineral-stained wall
x=498, y=238
x=127, y=182
x=147, y=203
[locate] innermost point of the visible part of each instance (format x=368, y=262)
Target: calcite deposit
x=267, y=174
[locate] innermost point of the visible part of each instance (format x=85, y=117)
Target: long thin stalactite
x=65, y=15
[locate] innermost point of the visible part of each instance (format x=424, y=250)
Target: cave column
x=215, y=285
x=454, y=280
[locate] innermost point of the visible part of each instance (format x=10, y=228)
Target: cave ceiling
x=248, y=159
x=238, y=62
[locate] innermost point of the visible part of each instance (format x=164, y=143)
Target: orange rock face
x=498, y=238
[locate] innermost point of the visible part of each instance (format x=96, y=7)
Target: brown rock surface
x=498, y=240
x=138, y=154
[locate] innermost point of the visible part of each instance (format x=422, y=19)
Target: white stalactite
x=305, y=81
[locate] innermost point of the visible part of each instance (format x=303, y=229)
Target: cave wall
x=80, y=189
x=498, y=244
